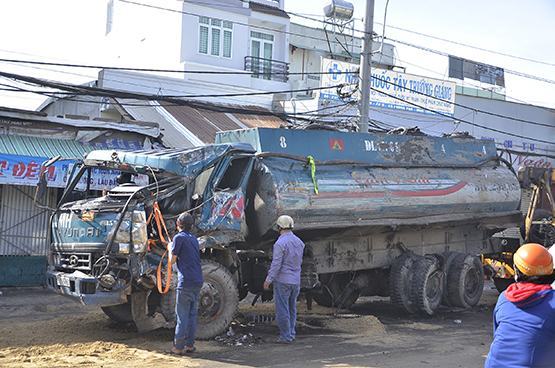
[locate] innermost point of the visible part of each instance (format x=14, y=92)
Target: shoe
x=282, y=341
x=190, y=350
x=176, y=351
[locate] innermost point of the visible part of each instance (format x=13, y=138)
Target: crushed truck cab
x=396, y=215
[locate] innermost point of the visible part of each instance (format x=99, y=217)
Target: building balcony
x=267, y=68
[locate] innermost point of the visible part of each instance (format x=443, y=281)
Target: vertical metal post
x=365, y=73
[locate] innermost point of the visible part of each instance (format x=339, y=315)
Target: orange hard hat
x=533, y=259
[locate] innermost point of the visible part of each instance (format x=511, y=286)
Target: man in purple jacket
x=285, y=274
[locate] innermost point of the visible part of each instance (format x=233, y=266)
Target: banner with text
x=25, y=170
x=391, y=89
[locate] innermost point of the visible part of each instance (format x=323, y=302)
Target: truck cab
x=106, y=246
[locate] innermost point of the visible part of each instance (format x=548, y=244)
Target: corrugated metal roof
x=204, y=123
x=140, y=127
x=42, y=147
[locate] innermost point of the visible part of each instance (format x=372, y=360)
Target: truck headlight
x=124, y=231
x=139, y=234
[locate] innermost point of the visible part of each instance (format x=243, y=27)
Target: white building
x=230, y=36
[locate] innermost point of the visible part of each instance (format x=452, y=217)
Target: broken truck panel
x=377, y=149
x=227, y=191
x=187, y=163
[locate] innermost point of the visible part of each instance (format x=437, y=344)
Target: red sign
x=336, y=144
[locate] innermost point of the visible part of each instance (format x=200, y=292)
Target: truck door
x=226, y=196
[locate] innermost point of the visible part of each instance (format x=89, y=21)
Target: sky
x=72, y=31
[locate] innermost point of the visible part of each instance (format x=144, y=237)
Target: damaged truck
x=390, y=215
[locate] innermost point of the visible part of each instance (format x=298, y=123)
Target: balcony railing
x=267, y=68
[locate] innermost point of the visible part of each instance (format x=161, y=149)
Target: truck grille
x=73, y=261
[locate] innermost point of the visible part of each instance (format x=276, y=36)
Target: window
x=262, y=45
x=215, y=37
x=234, y=174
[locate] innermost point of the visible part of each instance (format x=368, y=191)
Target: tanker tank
x=374, y=179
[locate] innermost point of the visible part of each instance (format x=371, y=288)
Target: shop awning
x=42, y=147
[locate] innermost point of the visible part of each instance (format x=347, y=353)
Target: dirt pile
x=88, y=340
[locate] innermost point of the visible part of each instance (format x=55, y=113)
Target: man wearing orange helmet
x=524, y=317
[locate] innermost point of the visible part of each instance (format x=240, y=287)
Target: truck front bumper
x=83, y=288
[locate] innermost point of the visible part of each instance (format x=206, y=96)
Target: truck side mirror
x=42, y=185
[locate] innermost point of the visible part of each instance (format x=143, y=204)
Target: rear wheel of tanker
x=465, y=281
x=336, y=292
x=400, y=278
x=219, y=298
x=447, y=260
x=119, y=313
x=501, y=284
x=427, y=285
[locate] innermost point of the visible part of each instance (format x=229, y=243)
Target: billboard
x=462, y=68
x=391, y=89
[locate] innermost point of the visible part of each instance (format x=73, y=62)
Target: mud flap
x=140, y=313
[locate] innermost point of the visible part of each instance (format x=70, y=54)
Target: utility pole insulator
x=365, y=72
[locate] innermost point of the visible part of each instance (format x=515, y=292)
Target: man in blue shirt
x=186, y=254
x=524, y=317
x=285, y=274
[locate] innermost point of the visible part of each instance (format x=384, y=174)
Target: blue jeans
x=186, y=310
x=285, y=297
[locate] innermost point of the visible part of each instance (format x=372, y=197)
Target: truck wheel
x=501, y=284
x=427, y=285
x=218, y=301
x=447, y=258
x=400, y=278
x=335, y=292
x=465, y=281
x=119, y=313
x=167, y=305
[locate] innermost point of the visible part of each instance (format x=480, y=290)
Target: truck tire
x=335, y=293
x=167, y=305
x=465, y=281
x=219, y=298
x=427, y=285
x=119, y=313
x=501, y=284
x=400, y=278
x=447, y=258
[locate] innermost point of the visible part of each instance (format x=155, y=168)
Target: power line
x=128, y=95
x=260, y=93
x=514, y=72
x=428, y=49
x=464, y=121
x=102, y=92
x=473, y=109
x=469, y=46
x=429, y=36
x=234, y=22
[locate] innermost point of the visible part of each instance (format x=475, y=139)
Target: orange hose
x=160, y=224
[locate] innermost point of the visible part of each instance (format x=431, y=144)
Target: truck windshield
x=91, y=182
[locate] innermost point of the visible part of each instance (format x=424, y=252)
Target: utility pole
x=365, y=73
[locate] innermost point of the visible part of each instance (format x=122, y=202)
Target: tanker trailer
x=398, y=216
